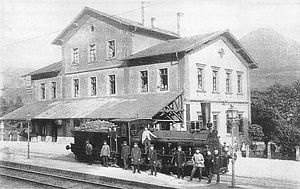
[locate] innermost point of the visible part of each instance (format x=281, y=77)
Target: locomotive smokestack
x=179, y=15
x=152, y=22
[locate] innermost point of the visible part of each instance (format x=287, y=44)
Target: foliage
x=255, y=132
x=6, y=107
x=271, y=109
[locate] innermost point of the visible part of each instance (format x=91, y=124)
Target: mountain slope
x=13, y=84
x=278, y=57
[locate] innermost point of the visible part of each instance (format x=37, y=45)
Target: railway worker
x=198, y=164
x=89, y=152
x=105, y=153
x=146, y=139
x=209, y=163
x=152, y=157
x=125, y=152
x=179, y=158
x=217, y=164
x=136, y=157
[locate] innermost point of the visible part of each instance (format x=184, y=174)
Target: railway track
x=55, y=178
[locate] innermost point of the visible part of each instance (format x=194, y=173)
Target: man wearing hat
x=152, y=157
x=125, y=154
x=105, y=153
x=179, y=159
x=198, y=163
x=136, y=157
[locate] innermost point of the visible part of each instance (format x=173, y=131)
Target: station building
x=122, y=71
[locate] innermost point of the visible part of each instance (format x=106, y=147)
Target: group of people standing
x=211, y=163
x=135, y=155
x=105, y=153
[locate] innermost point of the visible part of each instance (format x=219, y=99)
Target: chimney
x=152, y=22
x=143, y=12
x=179, y=15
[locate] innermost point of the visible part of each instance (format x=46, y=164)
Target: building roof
x=136, y=27
x=55, y=67
x=192, y=43
x=142, y=106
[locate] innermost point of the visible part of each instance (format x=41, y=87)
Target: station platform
x=57, y=157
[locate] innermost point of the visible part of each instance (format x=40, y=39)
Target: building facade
x=110, y=64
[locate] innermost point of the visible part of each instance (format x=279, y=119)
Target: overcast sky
x=27, y=27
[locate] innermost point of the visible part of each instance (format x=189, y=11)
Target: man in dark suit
x=180, y=159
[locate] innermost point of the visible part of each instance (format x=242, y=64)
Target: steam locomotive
x=203, y=138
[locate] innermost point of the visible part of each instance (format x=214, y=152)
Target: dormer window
x=111, y=49
x=75, y=56
x=92, y=52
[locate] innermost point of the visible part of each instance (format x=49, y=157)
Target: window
x=239, y=83
x=241, y=123
x=111, y=49
x=93, y=85
x=163, y=74
x=229, y=125
x=75, y=59
x=76, y=87
x=43, y=131
x=43, y=91
x=144, y=81
x=53, y=90
x=228, y=82
x=92, y=28
x=215, y=74
x=92, y=53
x=200, y=78
x=112, y=84
x=215, y=121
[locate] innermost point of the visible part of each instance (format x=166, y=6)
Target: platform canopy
x=142, y=106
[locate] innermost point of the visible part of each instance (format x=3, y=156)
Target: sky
x=28, y=27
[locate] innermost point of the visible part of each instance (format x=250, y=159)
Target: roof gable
x=193, y=43
x=113, y=20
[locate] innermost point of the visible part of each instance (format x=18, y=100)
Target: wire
x=39, y=36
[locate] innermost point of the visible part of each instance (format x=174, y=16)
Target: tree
x=4, y=106
x=255, y=132
x=271, y=108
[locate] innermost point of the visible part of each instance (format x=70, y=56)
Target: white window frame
x=90, y=57
x=217, y=70
x=239, y=85
x=202, y=67
x=109, y=84
x=41, y=91
x=73, y=88
x=107, y=49
x=228, y=71
x=159, y=80
x=140, y=85
x=53, y=93
x=90, y=86
x=74, y=62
